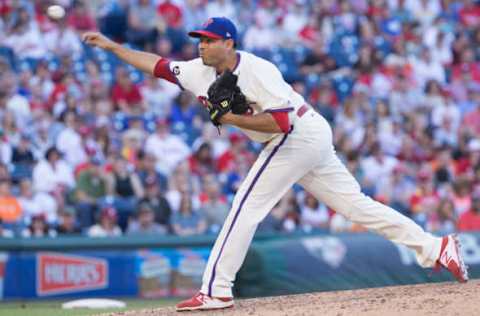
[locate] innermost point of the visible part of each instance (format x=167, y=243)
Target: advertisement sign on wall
x=66, y=273
x=170, y=272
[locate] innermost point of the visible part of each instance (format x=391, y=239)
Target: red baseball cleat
x=204, y=302
x=451, y=258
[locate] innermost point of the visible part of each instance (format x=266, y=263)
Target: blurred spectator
x=168, y=149
x=125, y=187
x=235, y=176
x=238, y=151
x=18, y=111
x=221, y=8
x=69, y=141
x=377, y=166
x=425, y=200
x=183, y=110
x=5, y=149
x=171, y=13
x=471, y=121
x=126, y=94
x=80, y=18
x=349, y=123
x=470, y=157
x=274, y=222
x=10, y=209
x=294, y=20
x=466, y=65
x=62, y=40
x=442, y=107
x=155, y=198
x=146, y=168
x=41, y=142
x=426, y=68
x=188, y=221
x=181, y=183
x=11, y=132
x=145, y=223
x=113, y=19
x=24, y=37
x=213, y=203
x=22, y=156
x=443, y=219
x=317, y=61
x=260, y=36
x=476, y=179
x=424, y=11
x=143, y=22
x=52, y=174
x=193, y=14
x=404, y=96
x=202, y=161
x=4, y=173
x=292, y=216
x=158, y=95
x=314, y=215
x=39, y=228
x=67, y=224
x=106, y=225
x=133, y=139
x=90, y=189
x=42, y=80
x=470, y=220
x=36, y=203
x=284, y=216
x=443, y=167
x=461, y=196
x=5, y=232
x=470, y=14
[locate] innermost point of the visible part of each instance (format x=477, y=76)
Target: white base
x=94, y=303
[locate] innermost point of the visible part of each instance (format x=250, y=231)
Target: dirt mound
x=424, y=299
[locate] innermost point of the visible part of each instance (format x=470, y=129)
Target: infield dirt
x=424, y=299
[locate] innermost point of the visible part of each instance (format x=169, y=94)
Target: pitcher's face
x=213, y=51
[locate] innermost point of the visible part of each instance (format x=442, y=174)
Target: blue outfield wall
x=152, y=269
x=339, y=262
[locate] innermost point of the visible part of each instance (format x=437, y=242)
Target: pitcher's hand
x=97, y=39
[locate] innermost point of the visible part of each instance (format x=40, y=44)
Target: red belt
x=302, y=110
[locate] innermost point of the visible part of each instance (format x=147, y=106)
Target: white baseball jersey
x=305, y=155
x=259, y=80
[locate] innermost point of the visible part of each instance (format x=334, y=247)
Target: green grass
x=54, y=308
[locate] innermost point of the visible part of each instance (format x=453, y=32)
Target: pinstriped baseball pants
x=305, y=156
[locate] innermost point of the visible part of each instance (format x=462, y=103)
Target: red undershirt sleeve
x=282, y=120
x=162, y=70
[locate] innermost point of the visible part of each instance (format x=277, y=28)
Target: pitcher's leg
x=335, y=186
x=269, y=179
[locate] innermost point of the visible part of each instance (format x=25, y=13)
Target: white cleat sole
x=203, y=308
x=463, y=266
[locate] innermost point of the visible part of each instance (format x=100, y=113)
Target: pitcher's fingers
x=88, y=37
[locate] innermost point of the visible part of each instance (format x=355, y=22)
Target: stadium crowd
x=90, y=145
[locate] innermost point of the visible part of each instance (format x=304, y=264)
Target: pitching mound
x=424, y=299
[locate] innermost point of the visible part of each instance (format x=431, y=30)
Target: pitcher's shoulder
x=255, y=64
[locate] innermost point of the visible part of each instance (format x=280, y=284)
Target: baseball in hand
x=55, y=12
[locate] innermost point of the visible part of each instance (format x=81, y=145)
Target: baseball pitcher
x=241, y=89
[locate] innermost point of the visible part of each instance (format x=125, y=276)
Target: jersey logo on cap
x=208, y=22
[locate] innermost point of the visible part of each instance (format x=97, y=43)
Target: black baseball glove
x=224, y=96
